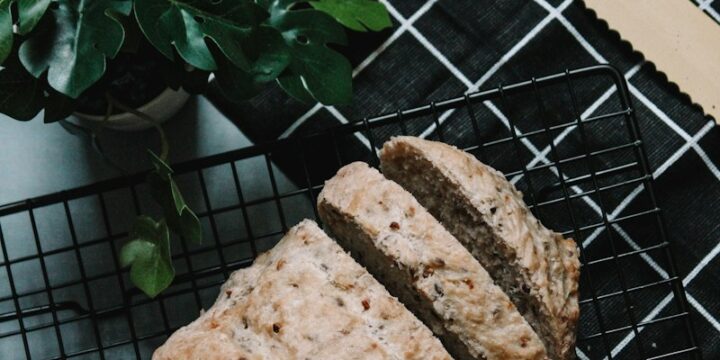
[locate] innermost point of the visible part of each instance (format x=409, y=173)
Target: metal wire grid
x=63, y=294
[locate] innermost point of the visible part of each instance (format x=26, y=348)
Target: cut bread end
x=306, y=298
x=537, y=268
x=424, y=266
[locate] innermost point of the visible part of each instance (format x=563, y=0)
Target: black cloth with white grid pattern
x=440, y=49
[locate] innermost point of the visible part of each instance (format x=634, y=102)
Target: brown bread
x=304, y=299
x=536, y=267
x=425, y=266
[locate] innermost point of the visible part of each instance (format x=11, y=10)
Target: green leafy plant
x=180, y=218
x=148, y=254
x=148, y=250
x=55, y=55
x=54, y=52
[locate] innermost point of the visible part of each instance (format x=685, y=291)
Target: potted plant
x=130, y=64
x=68, y=56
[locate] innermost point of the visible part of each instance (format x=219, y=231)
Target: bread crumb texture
x=443, y=272
x=304, y=299
x=546, y=263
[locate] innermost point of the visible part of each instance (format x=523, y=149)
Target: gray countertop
x=38, y=158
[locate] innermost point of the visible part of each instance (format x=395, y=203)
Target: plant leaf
x=326, y=74
x=29, y=13
x=186, y=23
x=294, y=86
x=186, y=223
x=358, y=15
x=235, y=84
x=162, y=168
x=73, y=43
x=148, y=254
x=323, y=73
x=21, y=95
x=269, y=53
x=180, y=218
x=269, y=57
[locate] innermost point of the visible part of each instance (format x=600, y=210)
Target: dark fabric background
x=442, y=49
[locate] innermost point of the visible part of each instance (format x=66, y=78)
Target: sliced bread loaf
x=536, y=267
x=400, y=243
x=304, y=299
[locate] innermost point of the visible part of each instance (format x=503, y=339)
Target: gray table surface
x=38, y=158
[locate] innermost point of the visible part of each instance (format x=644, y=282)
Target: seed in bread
x=421, y=263
x=304, y=299
x=537, y=268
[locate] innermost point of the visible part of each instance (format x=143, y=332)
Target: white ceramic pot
x=161, y=108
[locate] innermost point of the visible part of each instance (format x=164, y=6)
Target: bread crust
x=304, y=299
x=425, y=266
x=537, y=267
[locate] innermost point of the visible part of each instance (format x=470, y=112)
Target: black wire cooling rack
x=63, y=294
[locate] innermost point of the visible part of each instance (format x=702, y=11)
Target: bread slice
x=536, y=267
x=304, y=299
x=422, y=264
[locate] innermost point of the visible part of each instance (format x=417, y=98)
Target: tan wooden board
x=676, y=36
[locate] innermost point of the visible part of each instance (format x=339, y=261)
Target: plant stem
x=164, y=147
x=108, y=110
